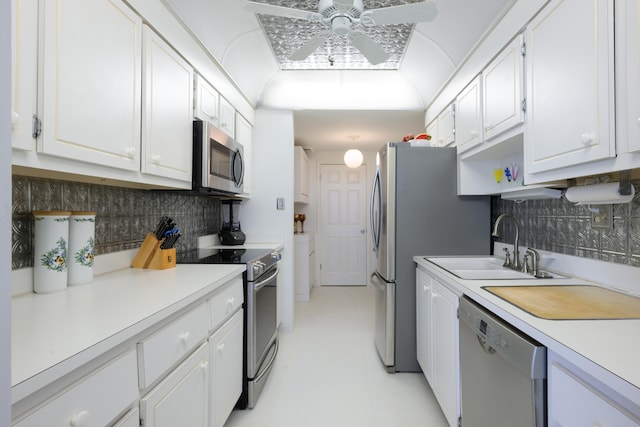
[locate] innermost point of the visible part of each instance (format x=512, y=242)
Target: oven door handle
x=261, y=283
x=267, y=368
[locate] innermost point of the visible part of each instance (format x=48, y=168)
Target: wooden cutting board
x=565, y=302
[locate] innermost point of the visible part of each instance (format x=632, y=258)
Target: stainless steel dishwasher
x=502, y=372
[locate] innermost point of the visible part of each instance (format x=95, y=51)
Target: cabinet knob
x=185, y=337
x=157, y=159
x=473, y=133
x=204, y=365
x=586, y=139
x=220, y=347
x=230, y=302
x=81, y=419
x=15, y=117
x=130, y=152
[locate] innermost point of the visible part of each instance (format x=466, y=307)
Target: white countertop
x=53, y=334
x=609, y=350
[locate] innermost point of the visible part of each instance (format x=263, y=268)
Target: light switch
x=280, y=203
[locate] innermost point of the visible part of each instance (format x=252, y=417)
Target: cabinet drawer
x=160, y=351
x=95, y=400
x=224, y=303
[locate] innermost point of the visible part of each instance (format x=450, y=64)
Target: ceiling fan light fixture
x=353, y=158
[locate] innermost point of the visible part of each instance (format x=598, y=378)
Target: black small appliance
x=230, y=233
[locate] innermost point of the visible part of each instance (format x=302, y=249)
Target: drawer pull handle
x=185, y=337
x=81, y=419
x=230, y=304
x=204, y=365
x=221, y=347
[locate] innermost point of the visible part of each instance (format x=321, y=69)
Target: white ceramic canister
x=82, y=227
x=50, y=249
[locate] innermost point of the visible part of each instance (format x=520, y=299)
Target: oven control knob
x=276, y=256
x=257, y=269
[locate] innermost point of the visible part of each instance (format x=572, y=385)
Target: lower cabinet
x=225, y=346
x=575, y=401
x=95, y=400
x=304, y=268
x=182, y=398
x=437, y=342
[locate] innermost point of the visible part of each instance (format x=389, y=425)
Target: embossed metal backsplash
x=561, y=226
x=123, y=216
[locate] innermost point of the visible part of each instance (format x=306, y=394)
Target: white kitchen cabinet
x=158, y=352
x=469, y=116
x=437, y=342
x=244, y=135
x=423, y=323
x=502, y=90
x=432, y=130
x=574, y=401
x=570, y=86
x=181, y=398
x=304, y=265
x=227, y=117
x=301, y=176
x=446, y=132
x=167, y=130
x=226, y=347
x=628, y=77
x=96, y=399
x=206, y=102
x=24, y=72
x=91, y=82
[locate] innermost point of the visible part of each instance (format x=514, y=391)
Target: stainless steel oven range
x=260, y=311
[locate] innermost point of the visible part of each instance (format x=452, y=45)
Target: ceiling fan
x=347, y=18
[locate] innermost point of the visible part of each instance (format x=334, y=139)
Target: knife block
x=152, y=257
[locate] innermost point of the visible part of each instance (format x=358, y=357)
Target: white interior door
x=343, y=229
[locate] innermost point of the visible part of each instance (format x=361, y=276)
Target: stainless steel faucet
x=516, y=251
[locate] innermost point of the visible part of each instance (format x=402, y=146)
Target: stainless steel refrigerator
x=415, y=210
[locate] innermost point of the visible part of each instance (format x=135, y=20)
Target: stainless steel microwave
x=218, y=162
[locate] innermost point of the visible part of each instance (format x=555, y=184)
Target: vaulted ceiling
x=343, y=101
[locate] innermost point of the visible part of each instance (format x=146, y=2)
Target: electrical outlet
x=280, y=203
x=602, y=217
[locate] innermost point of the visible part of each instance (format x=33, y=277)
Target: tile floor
x=328, y=373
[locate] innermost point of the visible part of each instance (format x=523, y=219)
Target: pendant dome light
x=353, y=158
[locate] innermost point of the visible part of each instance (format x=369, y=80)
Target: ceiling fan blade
x=368, y=48
x=310, y=46
x=286, y=12
x=403, y=14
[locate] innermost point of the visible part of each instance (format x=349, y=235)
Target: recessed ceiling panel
x=286, y=35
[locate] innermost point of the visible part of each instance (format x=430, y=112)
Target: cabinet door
x=423, y=322
x=445, y=126
x=206, y=106
x=432, y=130
x=628, y=75
x=570, y=85
x=182, y=398
x=573, y=402
x=227, y=117
x=24, y=72
x=168, y=111
x=91, y=89
x=301, y=176
x=469, y=116
x=226, y=369
x=244, y=135
x=502, y=98
x=446, y=361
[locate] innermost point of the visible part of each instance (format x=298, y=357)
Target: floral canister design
x=51, y=234
x=81, y=247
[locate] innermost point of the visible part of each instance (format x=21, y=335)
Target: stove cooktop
x=221, y=256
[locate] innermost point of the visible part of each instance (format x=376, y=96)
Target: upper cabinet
x=446, y=132
x=24, y=72
x=167, y=130
x=570, y=85
x=502, y=90
x=628, y=76
x=301, y=176
x=91, y=78
x=244, y=135
x=469, y=116
x=227, y=118
x=206, y=102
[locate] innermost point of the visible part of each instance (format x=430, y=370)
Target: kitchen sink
x=484, y=268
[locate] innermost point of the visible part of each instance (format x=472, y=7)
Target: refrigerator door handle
x=376, y=222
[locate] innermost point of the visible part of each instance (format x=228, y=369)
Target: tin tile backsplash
x=560, y=226
x=123, y=215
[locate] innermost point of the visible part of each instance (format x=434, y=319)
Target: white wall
x=272, y=179
x=5, y=213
